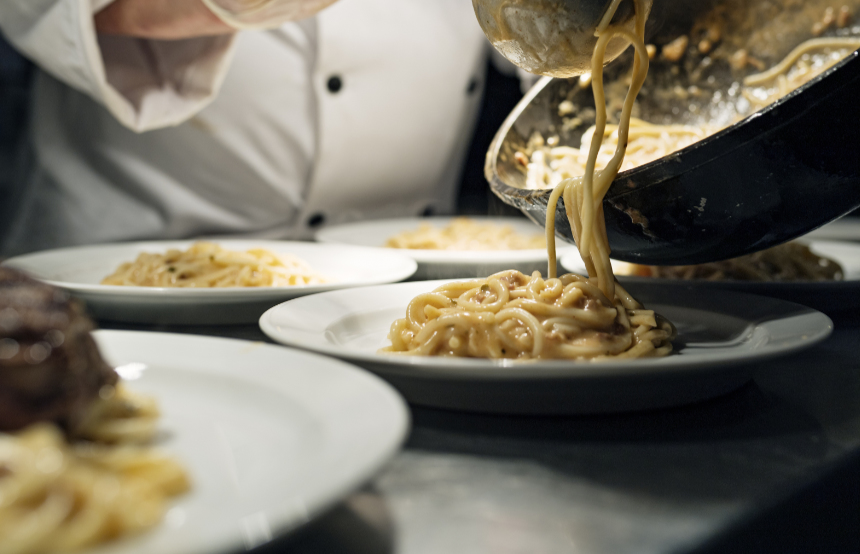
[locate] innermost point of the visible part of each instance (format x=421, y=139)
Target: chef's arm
x=111, y=50
x=182, y=19
x=144, y=83
x=160, y=19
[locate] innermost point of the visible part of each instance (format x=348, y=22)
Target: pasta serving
x=511, y=315
x=787, y=262
x=206, y=264
x=465, y=234
x=57, y=496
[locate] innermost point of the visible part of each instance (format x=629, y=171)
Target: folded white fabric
x=145, y=84
x=264, y=14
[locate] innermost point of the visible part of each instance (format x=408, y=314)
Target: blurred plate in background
x=831, y=297
x=447, y=264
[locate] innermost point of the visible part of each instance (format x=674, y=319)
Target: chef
x=255, y=118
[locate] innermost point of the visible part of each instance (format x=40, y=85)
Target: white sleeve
x=146, y=84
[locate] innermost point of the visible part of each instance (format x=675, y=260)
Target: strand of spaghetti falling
x=581, y=192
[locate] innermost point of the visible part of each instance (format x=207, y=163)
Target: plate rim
x=489, y=370
x=285, y=521
x=843, y=229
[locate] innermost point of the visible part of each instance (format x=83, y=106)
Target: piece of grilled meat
x=50, y=367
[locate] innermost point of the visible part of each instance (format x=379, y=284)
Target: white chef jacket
x=363, y=111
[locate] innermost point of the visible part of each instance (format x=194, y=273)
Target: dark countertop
x=773, y=466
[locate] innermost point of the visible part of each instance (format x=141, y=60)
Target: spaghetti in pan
x=547, y=165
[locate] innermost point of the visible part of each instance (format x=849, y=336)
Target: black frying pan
x=772, y=177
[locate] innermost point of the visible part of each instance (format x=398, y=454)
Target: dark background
x=501, y=94
x=16, y=75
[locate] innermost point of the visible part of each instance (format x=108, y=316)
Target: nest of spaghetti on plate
x=516, y=316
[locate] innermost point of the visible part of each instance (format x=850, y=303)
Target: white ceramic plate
x=721, y=334
x=446, y=264
x=831, y=297
x=847, y=228
x=80, y=270
x=270, y=436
